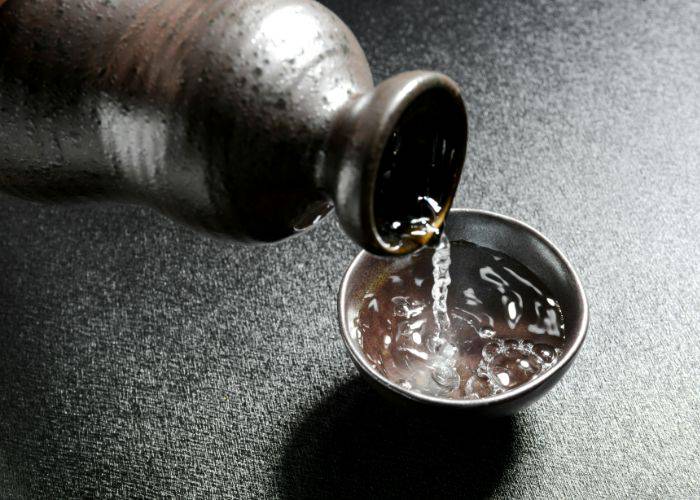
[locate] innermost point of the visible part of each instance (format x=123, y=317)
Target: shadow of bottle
x=356, y=444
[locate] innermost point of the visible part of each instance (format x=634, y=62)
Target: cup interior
x=495, y=232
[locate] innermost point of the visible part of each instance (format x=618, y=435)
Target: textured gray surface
x=137, y=358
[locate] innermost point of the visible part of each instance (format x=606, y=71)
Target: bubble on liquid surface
x=546, y=353
x=446, y=375
x=405, y=384
x=409, y=328
x=462, y=322
x=513, y=369
x=404, y=307
x=486, y=333
x=489, y=351
x=478, y=387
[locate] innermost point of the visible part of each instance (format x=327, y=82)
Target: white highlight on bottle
x=136, y=140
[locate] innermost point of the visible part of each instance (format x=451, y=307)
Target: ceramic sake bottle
x=246, y=118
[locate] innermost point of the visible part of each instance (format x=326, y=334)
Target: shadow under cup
x=495, y=232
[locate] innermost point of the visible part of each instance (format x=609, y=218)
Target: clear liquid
x=488, y=326
x=416, y=230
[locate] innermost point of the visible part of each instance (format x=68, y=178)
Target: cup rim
x=580, y=330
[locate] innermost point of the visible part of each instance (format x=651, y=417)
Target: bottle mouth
x=419, y=170
x=398, y=154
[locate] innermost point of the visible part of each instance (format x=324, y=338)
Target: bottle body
x=227, y=115
x=214, y=112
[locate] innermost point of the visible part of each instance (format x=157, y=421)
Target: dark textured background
x=138, y=358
